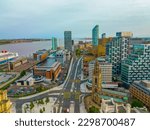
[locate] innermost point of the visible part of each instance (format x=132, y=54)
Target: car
x=66, y=110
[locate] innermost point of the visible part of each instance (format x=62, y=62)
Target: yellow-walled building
x=5, y=104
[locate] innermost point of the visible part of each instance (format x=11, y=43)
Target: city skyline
x=27, y=19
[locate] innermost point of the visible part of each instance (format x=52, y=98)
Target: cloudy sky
x=47, y=18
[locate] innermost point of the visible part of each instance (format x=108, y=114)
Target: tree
x=47, y=100
x=137, y=103
x=40, y=89
x=25, y=111
x=93, y=109
x=78, y=52
x=41, y=111
x=31, y=105
x=23, y=73
x=42, y=102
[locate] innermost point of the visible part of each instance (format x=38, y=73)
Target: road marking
x=54, y=94
x=72, y=88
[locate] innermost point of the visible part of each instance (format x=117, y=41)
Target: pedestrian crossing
x=76, y=95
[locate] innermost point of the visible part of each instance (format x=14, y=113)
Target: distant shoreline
x=19, y=41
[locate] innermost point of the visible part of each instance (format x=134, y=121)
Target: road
x=72, y=88
x=70, y=92
x=20, y=102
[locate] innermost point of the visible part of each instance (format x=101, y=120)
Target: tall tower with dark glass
x=95, y=35
x=68, y=40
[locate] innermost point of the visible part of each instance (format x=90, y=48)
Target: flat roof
x=146, y=81
x=60, y=51
x=18, y=59
x=101, y=62
x=141, y=86
x=41, y=51
x=47, y=63
x=24, y=78
x=115, y=92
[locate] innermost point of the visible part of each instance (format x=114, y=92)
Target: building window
x=95, y=80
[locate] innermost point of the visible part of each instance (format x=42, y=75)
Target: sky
x=50, y=18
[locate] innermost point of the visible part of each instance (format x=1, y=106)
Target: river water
x=26, y=48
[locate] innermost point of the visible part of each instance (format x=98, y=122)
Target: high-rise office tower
x=95, y=35
x=136, y=66
x=117, y=50
x=54, y=43
x=68, y=40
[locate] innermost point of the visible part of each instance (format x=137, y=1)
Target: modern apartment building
x=117, y=51
x=136, y=66
x=106, y=69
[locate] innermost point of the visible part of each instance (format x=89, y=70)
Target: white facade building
x=26, y=80
x=106, y=69
x=61, y=56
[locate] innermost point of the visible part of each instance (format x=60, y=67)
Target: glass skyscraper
x=54, y=43
x=68, y=40
x=95, y=35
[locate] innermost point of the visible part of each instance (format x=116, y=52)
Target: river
x=26, y=48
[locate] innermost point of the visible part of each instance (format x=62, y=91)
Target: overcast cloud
x=47, y=18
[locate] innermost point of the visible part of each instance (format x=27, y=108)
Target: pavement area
x=82, y=106
x=48, y=108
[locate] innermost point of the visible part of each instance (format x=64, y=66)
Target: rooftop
x=139, y=110
x=143, y=85
x=60, y=52
x=24, y=78
x=115, y=92
x=48, y=63
x=115, y=99
x=18, y=59
x=41, y=51
x=101, y=61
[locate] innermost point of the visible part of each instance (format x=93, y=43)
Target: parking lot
x=4, y=77
x=19, y=91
